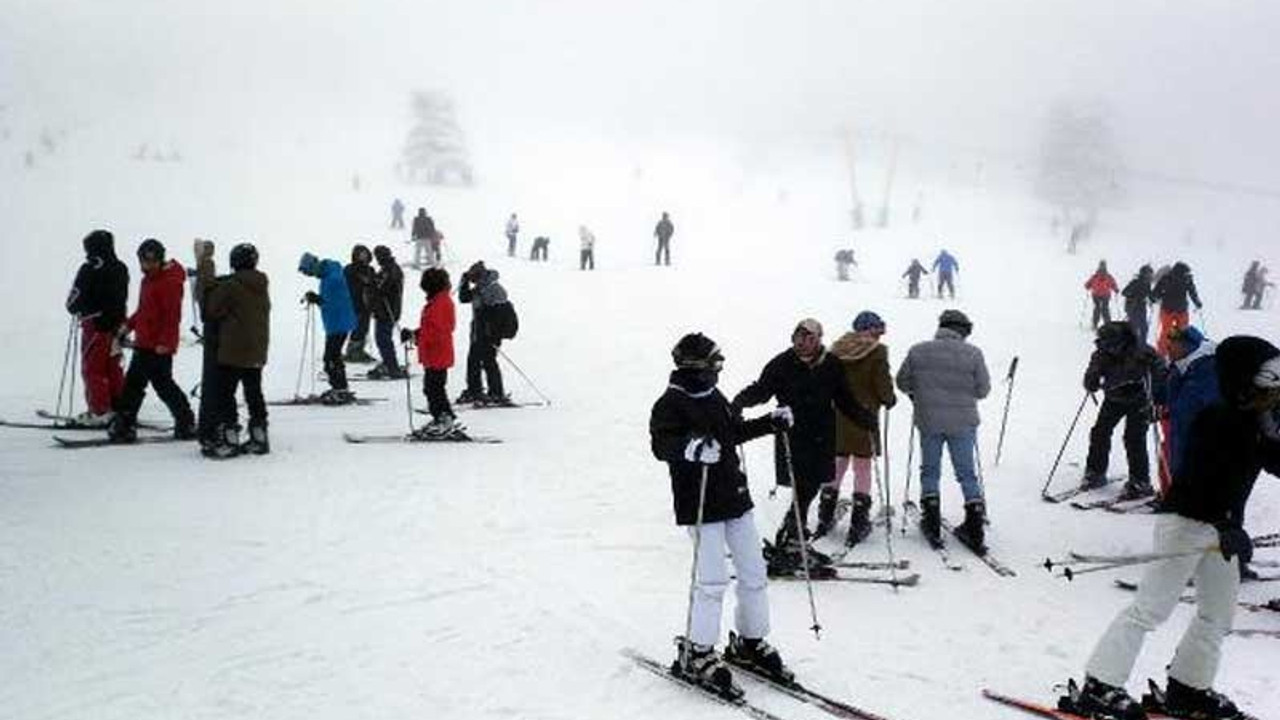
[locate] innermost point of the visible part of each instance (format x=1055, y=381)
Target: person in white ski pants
x=751, y=614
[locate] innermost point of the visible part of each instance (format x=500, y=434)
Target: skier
x=1101, y=287
x=1173, y=291
x=512, y=230
x=1228, y=444
x=1133, y=380
x=1193, y=386
x=360, y=277
x=155, y=325
x=866, y=373
x=386, y=296
x=98, y=298
x=844, y=259
x=481, y=289
x=809, y=382
x=587, y=256
x=397, y=214
x=434, y=337
x=240, y=306
x=695, y=431
x=422, y=233
x=539, y=249
x=913, y=273
x=946, y=266
x=1254, y=279
x=663, y=231
x=945, y=378
x=338, y=318
x=1137, y=301
x=207, y=416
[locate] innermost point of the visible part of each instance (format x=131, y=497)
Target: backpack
x=503, y=321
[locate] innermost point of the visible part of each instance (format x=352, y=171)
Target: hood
x=100, y=245
x=1206, y=349
x=946, y=333
x=490, y=276
x=1239, y=358
x=309, y=264
x=854, y=346
x=171, y=272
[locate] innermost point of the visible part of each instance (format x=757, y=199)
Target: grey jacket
x=945, y=378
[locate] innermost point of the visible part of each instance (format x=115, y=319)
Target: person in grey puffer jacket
x=945, y=378
x=480, y=287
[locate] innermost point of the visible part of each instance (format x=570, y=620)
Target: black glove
x=407, y=335
x=311, y=298
x=1234, y=541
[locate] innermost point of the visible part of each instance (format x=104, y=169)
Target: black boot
x=972, y=532
x=1184, y=701
x=826, y=511
x=931, y=520
x=259, y=442
x=123, y=428
x=859, y=520
x=1098, y=699
x=757, y=655
x=701, y=665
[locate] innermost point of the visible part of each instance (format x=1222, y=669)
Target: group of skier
x=945, y=265
x=539, y=248
x=1172, y=287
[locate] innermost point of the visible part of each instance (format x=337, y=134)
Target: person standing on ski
x=397, y=215
x=1101, y=287
x=1252, y=288
x=663, y=231
x=1137, y=302
x=512, y=230
x=913, y=273
x=434, y=337
x=866, y=373
x=587, y=256
x=1133, y=379
x=421, y=234
x=1174, y=290
x=481, y=289
x=1193, y=386
x=844, y=260
x=360, y=277
x=946, y=266
x=338, y=317
x=695, y=431
x=809, y=383
x=386, y=297
x=156, y=326
x=945, y=378
x=99, y=298
x=540, y=248
x=1200, y=537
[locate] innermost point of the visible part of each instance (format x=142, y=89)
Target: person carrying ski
x=946, y=266
x=240, y=306
x=98, y=298
x=1200, y=537
x=422, y=235
x=360, y=277
x=945, y=378
x=695, y=431
x=434, y=337
x=913, y=273
x=1133, y=379
x=338, y=317
x=1137, y=302
x=1101, y=287
x=512, y=230
x=386, y=296
x=397, y=214
x=481, y=289
x=809, y=383
x=155, y=326
x=1174, y=290
x=587, y=255
x=866, y=373
x=663, y=231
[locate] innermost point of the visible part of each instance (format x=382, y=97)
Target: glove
x=311, y=298
x=782, y=418
x=703, y=450
x=1234, y=541
x=407, y=335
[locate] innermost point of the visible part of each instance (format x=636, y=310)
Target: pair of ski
x=56, y=421
x=457, y=436
x=831, y=573
x=911, y=516
x=1073, y=492
x=486, y=406
x=309, y=400
x=1153, y=702
x=1119, y=504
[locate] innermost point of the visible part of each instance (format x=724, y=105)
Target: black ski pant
x=511, y=246
x=662, y=256
x=433, y=386
x=483, y=356
x=361, y=334
x=383, y=329
x=1138, y=321
x=206, y=414
x=1136, y=419
x=1101, y=310
x=229, y=380
x=334, y=367
x=148, y=368
x=947, y=282
x=587, y=259
x=1252, y=300
x=913, y=288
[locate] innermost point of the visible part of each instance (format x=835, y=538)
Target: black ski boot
x=1092, y=480
x=931, y=520
x=1136, y=490
x=184, y=428
x=859, y=520
x=122, y=429
x=972, y=532
x=226, y=444
x=1184, y=701
x=259, y=442
x=468, y=397
x=759, y=656
x=1100, y=700
x=826, y=511
x=701, y=665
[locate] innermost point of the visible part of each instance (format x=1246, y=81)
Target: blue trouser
x=961, y=448
x=382, y=329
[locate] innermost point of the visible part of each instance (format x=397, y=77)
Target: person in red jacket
x=155, y=327
x=435, y=351
x=1101, y=287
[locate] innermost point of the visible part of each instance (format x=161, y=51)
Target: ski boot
x=859, y=520
x=90, y=419
x=336, y=396
x=1092, y=480
x=1136, y=490
x=357, y=355
x=972, y=532
x=1100, y=700
x=122, y=430
x=383, y=372
x=931, y=521
x=494, y=400
x=185, y=428
x=699, y=664
x=469, y=397
x=756, y=655
x=225, y=444
x=259, y=443
x=826, y=511
x=1184, y=701
x=441, y=427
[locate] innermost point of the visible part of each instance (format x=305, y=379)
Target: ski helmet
x=244, y=257
x=1115, y=337
x=697, y=351
x=956, y=320
x=151, y=249
x=383, y=254
x=868, y=320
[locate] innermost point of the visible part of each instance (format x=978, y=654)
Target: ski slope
x=330, y=581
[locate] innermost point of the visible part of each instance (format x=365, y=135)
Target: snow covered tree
x=1080, y=167
x=435, y=151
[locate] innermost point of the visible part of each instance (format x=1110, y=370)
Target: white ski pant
x=1217, y=584
x=751, y=614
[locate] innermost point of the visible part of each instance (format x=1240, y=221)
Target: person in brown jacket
x=241, y=306
x=866, y=370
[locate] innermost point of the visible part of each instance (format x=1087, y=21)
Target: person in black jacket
x=1175, y=290
x=1137, y=302
x=360, y=278
x=422, y=234
x=480, y=289
x=694, y=430
x=386, y=296
x=98, y=298
x=1200, y=538
x=809, y=382
x=1133, y=379
x=913, y=273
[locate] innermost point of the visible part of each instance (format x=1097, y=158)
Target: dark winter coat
x=664, y=229
x=360, y=278
x=812, y=392
x=914, y=272
x=1137, y=295
x=866, y=373
x=1193, y=386
x=1175, y=288
x=424, y=228
x=157, y=323
x=386, y=295
x=691, y=408
x=240, y=305
x=945, y=377
x=101, y=288
x=482, y=295
x=1124, y=371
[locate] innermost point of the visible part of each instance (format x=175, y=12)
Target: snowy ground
x=337, y=581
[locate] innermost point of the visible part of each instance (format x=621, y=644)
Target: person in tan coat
x=866, y=371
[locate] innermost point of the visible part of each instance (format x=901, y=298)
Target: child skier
x=435, y=351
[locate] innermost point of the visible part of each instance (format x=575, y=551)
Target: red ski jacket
x=158, y=319
x=435, y=332
x=1102, y=285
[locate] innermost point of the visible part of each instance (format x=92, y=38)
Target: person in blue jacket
x=1193, y=386
x=946, y=266
x=339, y=318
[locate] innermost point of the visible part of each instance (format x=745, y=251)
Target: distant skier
x=946, y=266
x=1101, y=287
x=945, y=378
x=422, y=235
x=155, y=326
x=397, y=215
x=913, y=273
x=1133, y=380
x=1255, y=284
x=512, y=231
x=480, y=288
x=587, y=255
x=434, y=337
x=694, y=430
x=663, y=231
x=338, y=317
x=98, y=298
x=1228, y=444
x=386, y=297
x=360, y=275
x=541, y=246
x=1137, y=302
x=1173, y=290
x=844, y=260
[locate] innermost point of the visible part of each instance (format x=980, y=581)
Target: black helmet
x=697, y=351
x=1115, y=337
x=434, y=280
x=360, y=254
x=151, y=249
x=244, y=257
x=383, y=254
x=99, y=243
x=956, y=320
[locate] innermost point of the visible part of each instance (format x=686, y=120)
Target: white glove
x=703, y=450
x=782, y=418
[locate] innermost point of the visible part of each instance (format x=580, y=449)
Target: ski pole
x=804, y=545
x=302, y=358
x=886, y=503
x=1044, y=491
x=408, y=389
x=693, y=568
x=907, y=505
x=311, y=321
x=66, y=362
x=77, y=366
x=516, y=367
x=1008, y=398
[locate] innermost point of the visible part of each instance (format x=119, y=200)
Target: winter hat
x=1188, y=337
x=868, y=320
x=151, y=249
x=955, y=320
x=99, y=243
x=809, y=326
x=697, y=351
x=1245, y=365
x=383, y=254
x=434, y=280
x=309, y=264
x=244, y=257
x=1115, y=337
x=360, y=253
